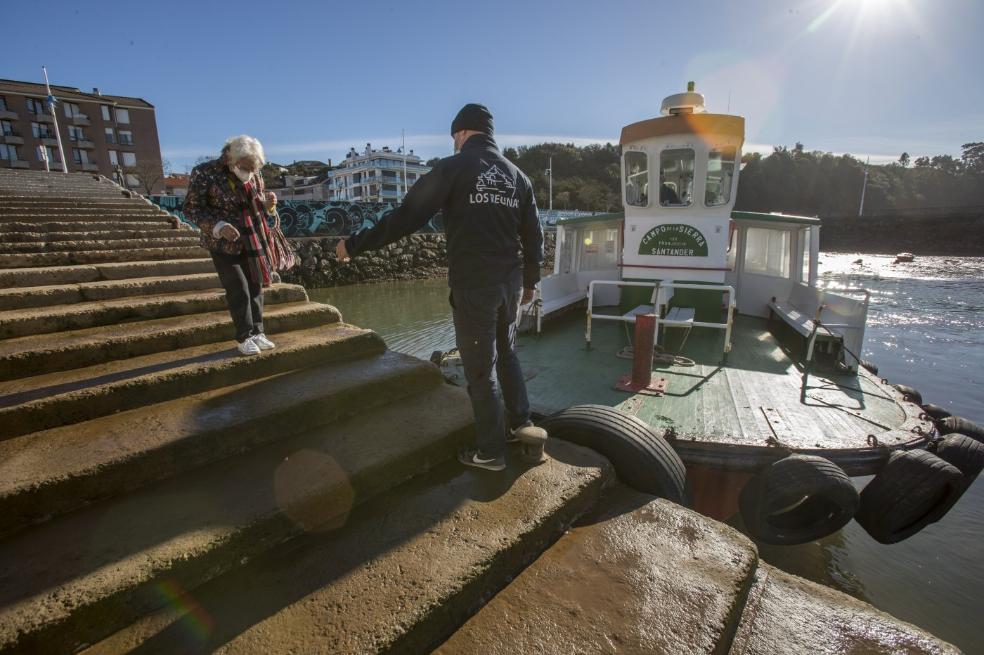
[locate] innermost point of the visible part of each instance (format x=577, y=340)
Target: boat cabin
x=679, y=246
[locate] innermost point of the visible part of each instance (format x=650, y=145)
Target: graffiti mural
x=315, y=218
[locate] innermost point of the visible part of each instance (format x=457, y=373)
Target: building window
x=720, y=175
x=636, y=179
x=105, y=112
x=51, y=152
x=80, y=156
x=72, y=110
x=3, y=103
x=8, y=152
x=122, y=115
x=110, y=135
x=676, y=177
x=42, y=131
x=113, y=158
x=126, y=138
x=6, y=128
x=767, y=252
x=35, y=106
x=75, y=133
x=132, y=181
x=129, y=159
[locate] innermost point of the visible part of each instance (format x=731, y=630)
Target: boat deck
x=738, y=415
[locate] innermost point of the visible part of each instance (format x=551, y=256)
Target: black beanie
x=473, y=117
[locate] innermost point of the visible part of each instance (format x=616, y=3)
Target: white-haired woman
x=227, y=202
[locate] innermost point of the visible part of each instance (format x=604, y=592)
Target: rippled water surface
x=925, y=328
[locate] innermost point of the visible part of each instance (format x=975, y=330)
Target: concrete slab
x=404, y=571
x=643, y=576
x=37, y=354
x=57, y=470
x=49, y=401
x=68, y=227
x=789, y=615
x=83, y=242
x=79, y=578
x=53, y=275
x=98, y=256
x=77, y=316
x=64, y=294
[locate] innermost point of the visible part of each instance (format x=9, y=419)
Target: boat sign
x=673, y=240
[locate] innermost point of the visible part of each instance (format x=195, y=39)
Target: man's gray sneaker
x=474, y=457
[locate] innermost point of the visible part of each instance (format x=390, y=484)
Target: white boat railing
x=657, y=287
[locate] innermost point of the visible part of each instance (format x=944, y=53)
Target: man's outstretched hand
x=342, y=252
x=528, y=296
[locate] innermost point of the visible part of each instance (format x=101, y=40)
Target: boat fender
x=913, y=489
x=909, y=393
x=963, y=426
x=963, y=452
x=935, y=412
x=642, y=458
x=870, y=366
x=797, y=499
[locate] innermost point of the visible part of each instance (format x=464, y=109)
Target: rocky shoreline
x=416, y=257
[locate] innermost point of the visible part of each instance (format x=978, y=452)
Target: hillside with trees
x=792, y=180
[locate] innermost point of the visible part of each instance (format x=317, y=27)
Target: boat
x=706, y=327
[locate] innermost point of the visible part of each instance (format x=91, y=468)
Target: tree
x=149, y=173
x=973, y=156
x=432, y=162
x=904, y=160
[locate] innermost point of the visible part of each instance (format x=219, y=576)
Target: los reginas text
x=493, y=198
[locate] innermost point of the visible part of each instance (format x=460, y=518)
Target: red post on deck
x=642, y=359
x=641, y=381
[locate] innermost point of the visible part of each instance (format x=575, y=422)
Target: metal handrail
x=657, y=285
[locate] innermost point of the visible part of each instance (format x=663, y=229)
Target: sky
x=872, y=78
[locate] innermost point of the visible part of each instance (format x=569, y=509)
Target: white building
x=375, y=175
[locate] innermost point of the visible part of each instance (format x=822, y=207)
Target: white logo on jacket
x=492, y=187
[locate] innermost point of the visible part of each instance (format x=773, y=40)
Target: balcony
x=90, y=166
x=48, y=139
x=85, y=144
x=13, y=138
x=20, y=163
x=6, y=113
x=42, y=118
x=80, y=119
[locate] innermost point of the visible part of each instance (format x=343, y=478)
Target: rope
x=664, y=359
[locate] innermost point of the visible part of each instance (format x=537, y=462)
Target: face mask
x=241, y=174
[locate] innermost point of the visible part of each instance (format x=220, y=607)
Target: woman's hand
x=229, y=233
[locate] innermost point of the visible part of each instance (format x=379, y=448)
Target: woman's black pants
x=243, y=296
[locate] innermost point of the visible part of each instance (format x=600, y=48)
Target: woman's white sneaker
x=263, y=343
x=248, y=347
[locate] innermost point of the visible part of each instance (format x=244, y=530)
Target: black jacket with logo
x=490, y=217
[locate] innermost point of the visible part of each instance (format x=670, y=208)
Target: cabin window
x=676, y=177
x=805, y=261
x=636, y=179
x=767, y=252
x=599, y=249
x=720, y=174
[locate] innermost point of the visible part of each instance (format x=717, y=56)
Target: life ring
x=909, y=393
x=796, y=500
x=913, y=489
x=642, y=458
x=962, y=426
x=935, y=412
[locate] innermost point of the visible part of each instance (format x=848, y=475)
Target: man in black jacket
x=495, y=248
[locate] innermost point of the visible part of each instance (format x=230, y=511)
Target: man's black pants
x=243, y=296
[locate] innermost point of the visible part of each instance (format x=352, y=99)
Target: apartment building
x=98, y=131
x=374, y=175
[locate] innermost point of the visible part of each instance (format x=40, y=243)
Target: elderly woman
x=226, y=200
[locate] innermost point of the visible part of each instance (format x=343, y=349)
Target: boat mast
x=864, y=185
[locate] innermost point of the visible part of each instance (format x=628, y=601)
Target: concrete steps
x=404, y=571
x=164, y=231
x=98, y=256
x=78, y=316
x=175, y=239
x=55, y=275
x=35, y=355
x=642, y=575
x=77, y=578
x=27, y=297
x=48, y=401
x=10, y=230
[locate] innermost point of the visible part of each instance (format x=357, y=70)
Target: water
x=925, y=329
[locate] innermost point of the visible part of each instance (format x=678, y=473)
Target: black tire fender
x=909, y=393
x=870, y=366
x=935, y=412
x=642, y=458
x=963, y=426
x=964, y=453
x=797, y=499
x=913, y=489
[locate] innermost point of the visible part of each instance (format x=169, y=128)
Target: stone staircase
x=160, y=494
